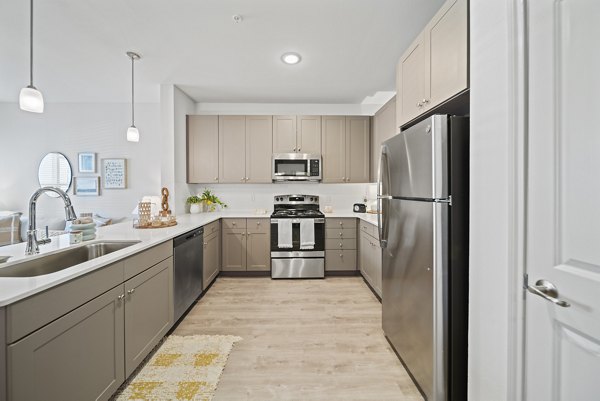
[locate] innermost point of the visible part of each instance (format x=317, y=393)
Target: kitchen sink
x=63, y=259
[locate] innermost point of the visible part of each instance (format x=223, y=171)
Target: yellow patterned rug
x=183, y=368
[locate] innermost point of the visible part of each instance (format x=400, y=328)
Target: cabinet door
x=203, y=149
x=234, y=249
x=259, y=142
x=365, y=252
x=448, y=56
x=258, y=251
x=211, y=253
x=383, y=128
x=232, y=149
x=284, y=134
x=333, y=145
x=77, y=357
x=414, y=79
x=376, y=267
x=357, y=149
x=148, y=312
x=309, y=134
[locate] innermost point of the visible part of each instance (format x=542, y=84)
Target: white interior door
x=562, y=343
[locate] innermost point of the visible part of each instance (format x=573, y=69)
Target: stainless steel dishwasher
x=187, y=277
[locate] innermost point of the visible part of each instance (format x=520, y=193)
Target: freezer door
x=414, y=290
x=416, y=161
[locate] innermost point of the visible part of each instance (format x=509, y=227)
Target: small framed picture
x=114, y=173
x=87, y=162
x=86, y=186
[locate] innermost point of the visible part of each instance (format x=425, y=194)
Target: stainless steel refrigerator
x=423, y=195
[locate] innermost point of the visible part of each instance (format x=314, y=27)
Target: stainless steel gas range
x=297, y=237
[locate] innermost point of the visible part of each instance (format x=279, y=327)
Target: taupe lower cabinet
x=212, y=253
x=77, y=357
x=435, y=66
x=148, y=312
x=345, y=144
x=246, y=245
x=297, y=134
x=340, y=244
x=105, y=326
x=370, y=256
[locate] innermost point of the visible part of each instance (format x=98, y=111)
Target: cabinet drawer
x=258, y=225
x=211, y=228
x=342, y=243
x=34, y=312
x=340, y=233
x=340, y=260
x=331, y=222
x=234, y=223
x=148, y=258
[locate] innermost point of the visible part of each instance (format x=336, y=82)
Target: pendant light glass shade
x=133, y=135
x=31, y=99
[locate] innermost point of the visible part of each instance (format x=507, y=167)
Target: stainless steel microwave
x=296, y=167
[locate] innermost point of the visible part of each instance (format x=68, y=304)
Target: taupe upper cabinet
x=308, y=138
x=284, y=134
x=334, y=148
x=345, y=148
x=301, y=134
x=203, y=149
x=435, y=67
x=357, y=149
x=232, y=149
x=259, y=134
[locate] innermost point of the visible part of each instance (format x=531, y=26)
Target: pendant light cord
x=31, y=43
x=132, y=94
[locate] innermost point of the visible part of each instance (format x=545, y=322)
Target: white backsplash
x=260, y=196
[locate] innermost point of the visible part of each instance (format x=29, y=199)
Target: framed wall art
x=86, y=186
x=114, y=173
x=87, y=162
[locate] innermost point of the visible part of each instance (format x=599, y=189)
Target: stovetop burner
x=297, y=206
x=297, y=213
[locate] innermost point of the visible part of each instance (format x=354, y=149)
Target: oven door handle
x=294, y=221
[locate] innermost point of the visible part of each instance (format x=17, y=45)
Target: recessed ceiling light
x=291, y=58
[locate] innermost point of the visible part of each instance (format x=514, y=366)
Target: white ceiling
x=349, y=48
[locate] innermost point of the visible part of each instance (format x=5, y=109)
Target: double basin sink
x=61, y=260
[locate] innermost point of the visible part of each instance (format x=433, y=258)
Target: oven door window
x=291, y=168
x=319, y=238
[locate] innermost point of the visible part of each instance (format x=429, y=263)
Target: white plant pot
x=195, y=208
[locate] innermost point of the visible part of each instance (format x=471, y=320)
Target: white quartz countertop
x=13, y=289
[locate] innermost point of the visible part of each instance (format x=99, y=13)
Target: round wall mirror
x=55, y=171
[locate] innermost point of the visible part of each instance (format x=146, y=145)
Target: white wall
x=491, y=201
x=260, y=196
x=71, y=128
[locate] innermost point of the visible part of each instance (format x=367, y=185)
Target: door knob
x=548, y=291
x=216, y=178
x=131, y=291
x=120, y=297
x=299, y=149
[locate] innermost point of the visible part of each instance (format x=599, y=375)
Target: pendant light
x=133, y=135
x=31, y=99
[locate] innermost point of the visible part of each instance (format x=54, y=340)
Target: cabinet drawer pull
x=120, y=297
x=341, y=246
x=131, y=291
x=216, y=178
x=341, y=255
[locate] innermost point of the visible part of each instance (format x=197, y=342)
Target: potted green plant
x=211, y=201
x=195, y=203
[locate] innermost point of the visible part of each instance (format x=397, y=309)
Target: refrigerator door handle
x=382, y=188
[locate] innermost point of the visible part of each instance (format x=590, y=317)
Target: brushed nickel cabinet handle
x=131, y=291
x=120, y=297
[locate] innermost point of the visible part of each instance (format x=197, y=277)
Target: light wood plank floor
x=302, y=340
